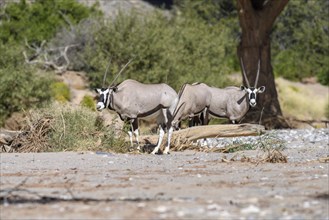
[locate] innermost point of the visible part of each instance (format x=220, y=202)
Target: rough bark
x=256, y=19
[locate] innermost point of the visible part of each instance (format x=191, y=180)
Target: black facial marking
x=101, y=98
x=252, y=95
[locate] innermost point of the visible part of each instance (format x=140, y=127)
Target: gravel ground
x=288, y=138
x=182, y=185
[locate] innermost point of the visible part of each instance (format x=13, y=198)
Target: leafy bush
x=163, y=50
x=20, y=89
x=60, y=92
x=300, y=41
x=39, y=21
x=323, y=74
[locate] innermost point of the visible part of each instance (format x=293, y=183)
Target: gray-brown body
x=230, y=102
x=137, y=100
x=133, y=100
x=194, y=99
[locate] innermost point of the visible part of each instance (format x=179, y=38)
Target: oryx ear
x=98, y=90
x=242, y=87
x=261, y=89
x=115, y=89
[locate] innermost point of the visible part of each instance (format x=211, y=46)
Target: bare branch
x=42, y=52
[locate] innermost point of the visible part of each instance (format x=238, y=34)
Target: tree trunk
x=256, y=19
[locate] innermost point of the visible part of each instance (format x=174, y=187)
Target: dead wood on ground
x=183, y=138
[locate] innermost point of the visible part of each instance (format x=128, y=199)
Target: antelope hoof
x=166, y=151
x=155, y=151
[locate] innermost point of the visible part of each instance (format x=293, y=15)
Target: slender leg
x=131, y=138
x=205, y=118
x=161, y=134
x=166, y=151
x=135, y=131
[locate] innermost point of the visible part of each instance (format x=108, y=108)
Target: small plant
x=88, y=102
x=238, y=146
x=273, y=147
x=61, y=92
x=269, y=142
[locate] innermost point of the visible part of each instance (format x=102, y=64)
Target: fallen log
x=214, y=131
x=7, y=136
x=209, y=131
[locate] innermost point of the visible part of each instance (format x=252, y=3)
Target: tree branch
x=41, y=52
x=272, y=9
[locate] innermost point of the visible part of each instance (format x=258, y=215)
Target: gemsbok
x=204, y=101
x=132, y=100
x=233, y=102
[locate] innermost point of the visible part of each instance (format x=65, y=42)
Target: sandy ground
x=182, y=185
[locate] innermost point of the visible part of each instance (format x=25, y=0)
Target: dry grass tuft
x=34, y=137
x=274, y=156
x=64, y=128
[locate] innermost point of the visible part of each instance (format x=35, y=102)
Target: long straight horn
x=244, y=72
x=257, y=76
x=177, y=109
x=120, y=72
x=107, y=68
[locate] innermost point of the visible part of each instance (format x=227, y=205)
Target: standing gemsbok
x=132, y=100
x=233, y=102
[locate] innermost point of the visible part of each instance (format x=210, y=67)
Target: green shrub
x=39, y=21
x=323, y=74
x=164, y=50
x=22, y=89
x=300, y=41
x=60, y=92
x=88, y=102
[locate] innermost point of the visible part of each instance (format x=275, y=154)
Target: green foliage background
x=21, y=86
x=39, y=21
x=196, y=41
x=163, y=50
x=300, y=41
x=21, y=89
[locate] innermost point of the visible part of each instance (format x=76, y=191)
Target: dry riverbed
x=182, y=185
